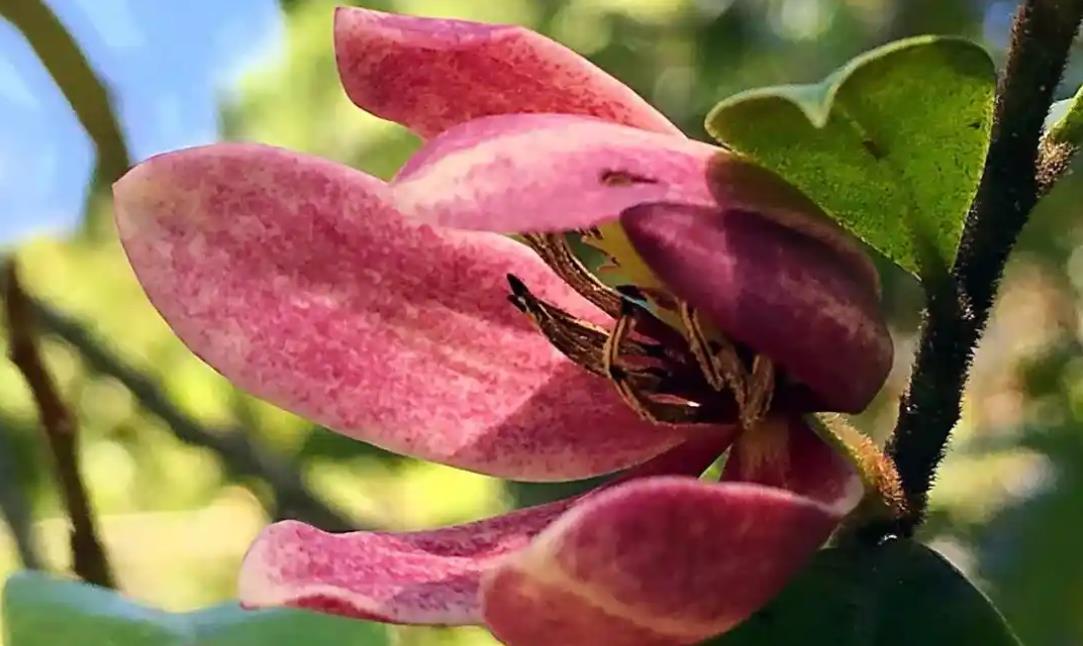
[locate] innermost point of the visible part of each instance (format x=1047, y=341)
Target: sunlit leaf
x=1066, y=120
x=42, y=610
x=898, y=594
x=891, y=145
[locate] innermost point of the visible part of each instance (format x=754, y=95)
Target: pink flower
x=382, y=311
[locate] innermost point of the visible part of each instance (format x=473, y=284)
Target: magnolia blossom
x=403, y=314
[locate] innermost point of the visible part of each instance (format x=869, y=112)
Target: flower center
x=666, y=363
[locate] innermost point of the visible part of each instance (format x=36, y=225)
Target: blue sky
x=168, y=65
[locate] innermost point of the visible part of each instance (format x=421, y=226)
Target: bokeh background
x=184, y=469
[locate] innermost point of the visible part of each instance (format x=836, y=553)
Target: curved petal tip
x=366, y=575
x=430, y=74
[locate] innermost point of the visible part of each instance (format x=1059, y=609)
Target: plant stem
x=61, y=432
x=955, y=318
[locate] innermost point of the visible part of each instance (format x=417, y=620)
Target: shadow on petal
x=295, y=278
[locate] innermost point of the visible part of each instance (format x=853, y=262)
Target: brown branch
x=61, y=433
x=956, y=316
x=239, y=455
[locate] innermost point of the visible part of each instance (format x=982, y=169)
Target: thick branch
x=239, y=455
x=88, y=556
x=1041, y=37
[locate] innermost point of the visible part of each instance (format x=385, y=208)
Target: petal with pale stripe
x=295, y=279
x=430, y=74
x=658, y=561
x=548, y=172
x=427, y=577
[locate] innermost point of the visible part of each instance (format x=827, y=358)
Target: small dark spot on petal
x=624, y=178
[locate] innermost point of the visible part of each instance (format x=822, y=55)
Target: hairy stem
x=956, y=314
x=61, y=432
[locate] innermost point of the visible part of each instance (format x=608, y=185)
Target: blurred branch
x=1042, y=34
x=88, y=556
x=240, y=456
x=13, y=504
x=86, y=93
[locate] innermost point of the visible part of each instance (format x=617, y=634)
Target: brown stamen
x=722, y=367
x=759, y=391
x=553, y=249
x=579, y=340
x=663, y=383
x=653, y=411
x=717, y=358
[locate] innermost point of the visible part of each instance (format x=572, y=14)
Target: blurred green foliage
x=33, y=601
x=176, y=521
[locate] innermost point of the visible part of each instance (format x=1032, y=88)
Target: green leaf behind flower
x=898, y=594
x=40, y=610
x=891, y=145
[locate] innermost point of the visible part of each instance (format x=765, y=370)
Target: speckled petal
x=293, y=277
x=430, y=74
x=537, y=172
x=780, y=292
x=655, y=562
x=427, y=577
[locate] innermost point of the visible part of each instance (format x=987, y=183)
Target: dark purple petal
x=784, y=294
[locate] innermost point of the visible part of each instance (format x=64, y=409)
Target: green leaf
x=40, y=610
x=1066, y=121
x=898, y=594
x=891, y=145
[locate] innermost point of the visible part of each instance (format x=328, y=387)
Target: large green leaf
x=40, y=610
x=898, y=594
x=891, y=145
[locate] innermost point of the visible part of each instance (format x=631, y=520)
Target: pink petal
x=293, y=277
x=431, y=74
x=533, y=172
x=658, y=561
x=782, y=293
x=415, y=577
x=784, y=452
